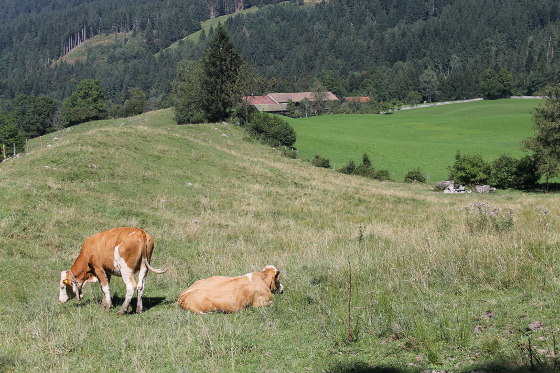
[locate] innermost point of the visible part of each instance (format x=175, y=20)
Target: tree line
x=212, y=89
x=408, y=51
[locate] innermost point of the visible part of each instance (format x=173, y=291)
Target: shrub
x=349, y=169
x=526, y=173
x=469, y=169
x=319, y=161
x=508, y=172
x=414, y=176
x=116, y=111
x=289, y=152
x=503, y=171
x=271, y=129
x=382, y=175
x=365, y=169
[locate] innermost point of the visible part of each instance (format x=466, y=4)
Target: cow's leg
x=104, y=279
x=130, y=283
x=262, y=300
x=140, y=287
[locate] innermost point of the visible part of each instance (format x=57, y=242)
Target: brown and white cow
x=119, y=251
x=232, y=294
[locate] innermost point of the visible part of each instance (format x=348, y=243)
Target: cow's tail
x=152, y=269
x=145, y=258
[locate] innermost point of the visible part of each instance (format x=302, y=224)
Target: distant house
x=278, y=102
x=358, y=99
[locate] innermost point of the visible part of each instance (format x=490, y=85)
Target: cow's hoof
x=122, y=312
x=139, y=310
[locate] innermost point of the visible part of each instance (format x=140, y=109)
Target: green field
x=427, y=138
x=433, y=287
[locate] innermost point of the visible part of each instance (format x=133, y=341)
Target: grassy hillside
x=206, y=25
x=80, y=53
x=427, y=138
x=433, y=287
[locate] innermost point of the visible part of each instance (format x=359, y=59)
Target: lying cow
x=232, y=294
x=119, y=251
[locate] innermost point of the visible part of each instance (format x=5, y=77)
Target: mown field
x=433, y=286
x=427, y=138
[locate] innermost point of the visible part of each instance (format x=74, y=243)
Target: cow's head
x=70, y=287
x=272, y=279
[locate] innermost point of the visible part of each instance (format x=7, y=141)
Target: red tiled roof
x=299, y=96
x=258, y=100
x=358, y=99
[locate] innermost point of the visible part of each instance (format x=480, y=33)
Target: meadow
x=426, y=138
x=434, y=286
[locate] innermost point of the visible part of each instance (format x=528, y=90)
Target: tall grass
x=423, y=282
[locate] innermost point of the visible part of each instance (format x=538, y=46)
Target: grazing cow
x=232, y=294
x=119, y=251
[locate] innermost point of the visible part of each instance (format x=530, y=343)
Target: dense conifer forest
x=387, y=49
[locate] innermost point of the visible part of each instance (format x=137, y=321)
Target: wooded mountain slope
x=386, y=49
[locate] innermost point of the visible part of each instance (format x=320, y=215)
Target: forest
x=409, y=51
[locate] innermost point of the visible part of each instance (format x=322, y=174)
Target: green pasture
x=427, y=138
x=433, y=287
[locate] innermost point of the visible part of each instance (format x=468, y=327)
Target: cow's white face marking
x=66, y=291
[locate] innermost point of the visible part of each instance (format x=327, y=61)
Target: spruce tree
x=546, y=142
x=221, y=65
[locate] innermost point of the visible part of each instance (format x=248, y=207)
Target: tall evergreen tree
x=221, y=65
x=546, y=141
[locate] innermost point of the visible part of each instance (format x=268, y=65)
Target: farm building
x=278, y=102
x=357, y=99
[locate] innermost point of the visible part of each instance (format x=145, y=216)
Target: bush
x=289, y=152
x=137, y=103
x=508, y=172
x=469, y=170
x=526, y=173
x=503, y=172
x=349, y=169
x=414, y=176
x=382, y=175
x=365, y=169
x=271, y=129
x=319, y=161
x=116, y=111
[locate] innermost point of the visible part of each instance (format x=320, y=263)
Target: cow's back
x=218, y=293
x=128, y=242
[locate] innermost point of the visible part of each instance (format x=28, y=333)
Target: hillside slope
x=425, y=274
